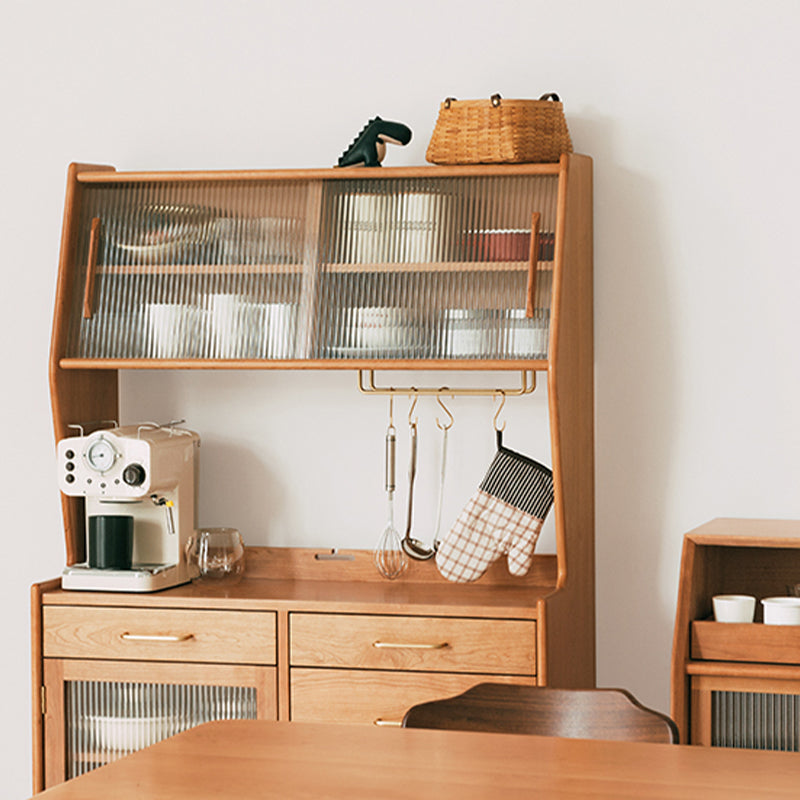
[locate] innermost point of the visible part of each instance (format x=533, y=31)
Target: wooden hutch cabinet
x=481, y=268
x=737, y=684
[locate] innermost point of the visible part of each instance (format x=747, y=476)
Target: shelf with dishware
x=198, y=266
x=414, y=268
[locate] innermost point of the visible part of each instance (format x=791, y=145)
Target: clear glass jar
x=218, y=554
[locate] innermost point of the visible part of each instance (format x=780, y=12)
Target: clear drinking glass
x=218, y=554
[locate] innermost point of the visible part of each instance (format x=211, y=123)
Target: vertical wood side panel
x=679, y=694
x=75, y=395
x=54, y=727
x=571, y=610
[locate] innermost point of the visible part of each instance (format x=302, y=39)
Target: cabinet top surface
x=258, y=594
x=747, y=533
x=294, y=579
x=104, y=174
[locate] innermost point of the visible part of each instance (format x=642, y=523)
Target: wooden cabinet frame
x=558, y=593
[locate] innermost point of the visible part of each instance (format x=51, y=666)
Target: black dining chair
x=541, y=711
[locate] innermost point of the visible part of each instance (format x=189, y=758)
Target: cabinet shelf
x=449, y=365
x=296, y=269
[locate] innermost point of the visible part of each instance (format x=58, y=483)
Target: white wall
x=689, y=110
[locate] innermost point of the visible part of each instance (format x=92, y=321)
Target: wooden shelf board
x=337, y=173
x=735, y=669
x=334, y=268
x=726, y=532
x=449, y=266
x=262, y=594
x=533, y=365
x=296, y=579
x=200, y=269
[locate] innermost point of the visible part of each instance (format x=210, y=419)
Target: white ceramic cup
x=781, y=610
x=174, y=330
x=734, y=607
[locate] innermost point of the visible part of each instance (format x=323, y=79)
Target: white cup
x=781, y=610
x=174, y=330
x=734, y=607
x=237, y=326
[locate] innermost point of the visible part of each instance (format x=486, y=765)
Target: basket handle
x=495, y=98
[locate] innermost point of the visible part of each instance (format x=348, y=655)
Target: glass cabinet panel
x=189, y=270
x=105, y=720
x=419, y=268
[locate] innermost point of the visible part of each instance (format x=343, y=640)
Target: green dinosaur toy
x=369, y=147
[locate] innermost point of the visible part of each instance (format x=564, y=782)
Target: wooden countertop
x=254, y=759
x=299, y=580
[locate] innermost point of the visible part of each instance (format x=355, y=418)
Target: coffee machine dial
x=101, y=455
x=134, y=475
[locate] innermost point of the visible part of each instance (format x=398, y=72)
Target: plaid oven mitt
x=503, y=518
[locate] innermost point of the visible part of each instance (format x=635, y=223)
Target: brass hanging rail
x=527, y=385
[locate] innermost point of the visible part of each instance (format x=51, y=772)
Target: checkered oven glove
x=503, y=518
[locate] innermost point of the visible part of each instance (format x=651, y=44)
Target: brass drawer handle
x=409, y=646
x=388, y=723
x=147, y=637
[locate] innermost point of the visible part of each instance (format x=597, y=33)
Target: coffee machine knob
x=133, y=475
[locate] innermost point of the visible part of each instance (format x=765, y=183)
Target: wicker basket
x=497, y=131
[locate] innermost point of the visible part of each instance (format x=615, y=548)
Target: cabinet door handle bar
x=151, y=637
x=409, y=646
x=388, y=723
x=91, y=266
x=530, y=304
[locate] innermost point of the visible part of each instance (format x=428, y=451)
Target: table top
x=246, y=759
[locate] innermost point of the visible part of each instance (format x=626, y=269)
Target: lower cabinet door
x=376, y=697
x=749, y=712
x=98, y=711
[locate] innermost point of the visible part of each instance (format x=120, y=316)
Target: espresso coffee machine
x=139, y=483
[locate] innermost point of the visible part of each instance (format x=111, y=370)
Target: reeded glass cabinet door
x=436, y=268
x=417, y=268
x=753, y=713
x=99, y=711
x=198, y=270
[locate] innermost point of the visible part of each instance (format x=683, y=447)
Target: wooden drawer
x=158, y=634
x=374, y=697
x=432, y=644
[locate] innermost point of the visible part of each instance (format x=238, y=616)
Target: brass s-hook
x=412, y=407
x=497, y=413
x=446, y=411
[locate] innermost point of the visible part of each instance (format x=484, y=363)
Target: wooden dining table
x=249, y=760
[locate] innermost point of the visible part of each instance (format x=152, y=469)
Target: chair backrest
x=568, y=713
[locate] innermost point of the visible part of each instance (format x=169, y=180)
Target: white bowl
x=129, y=733
x=781, y=610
